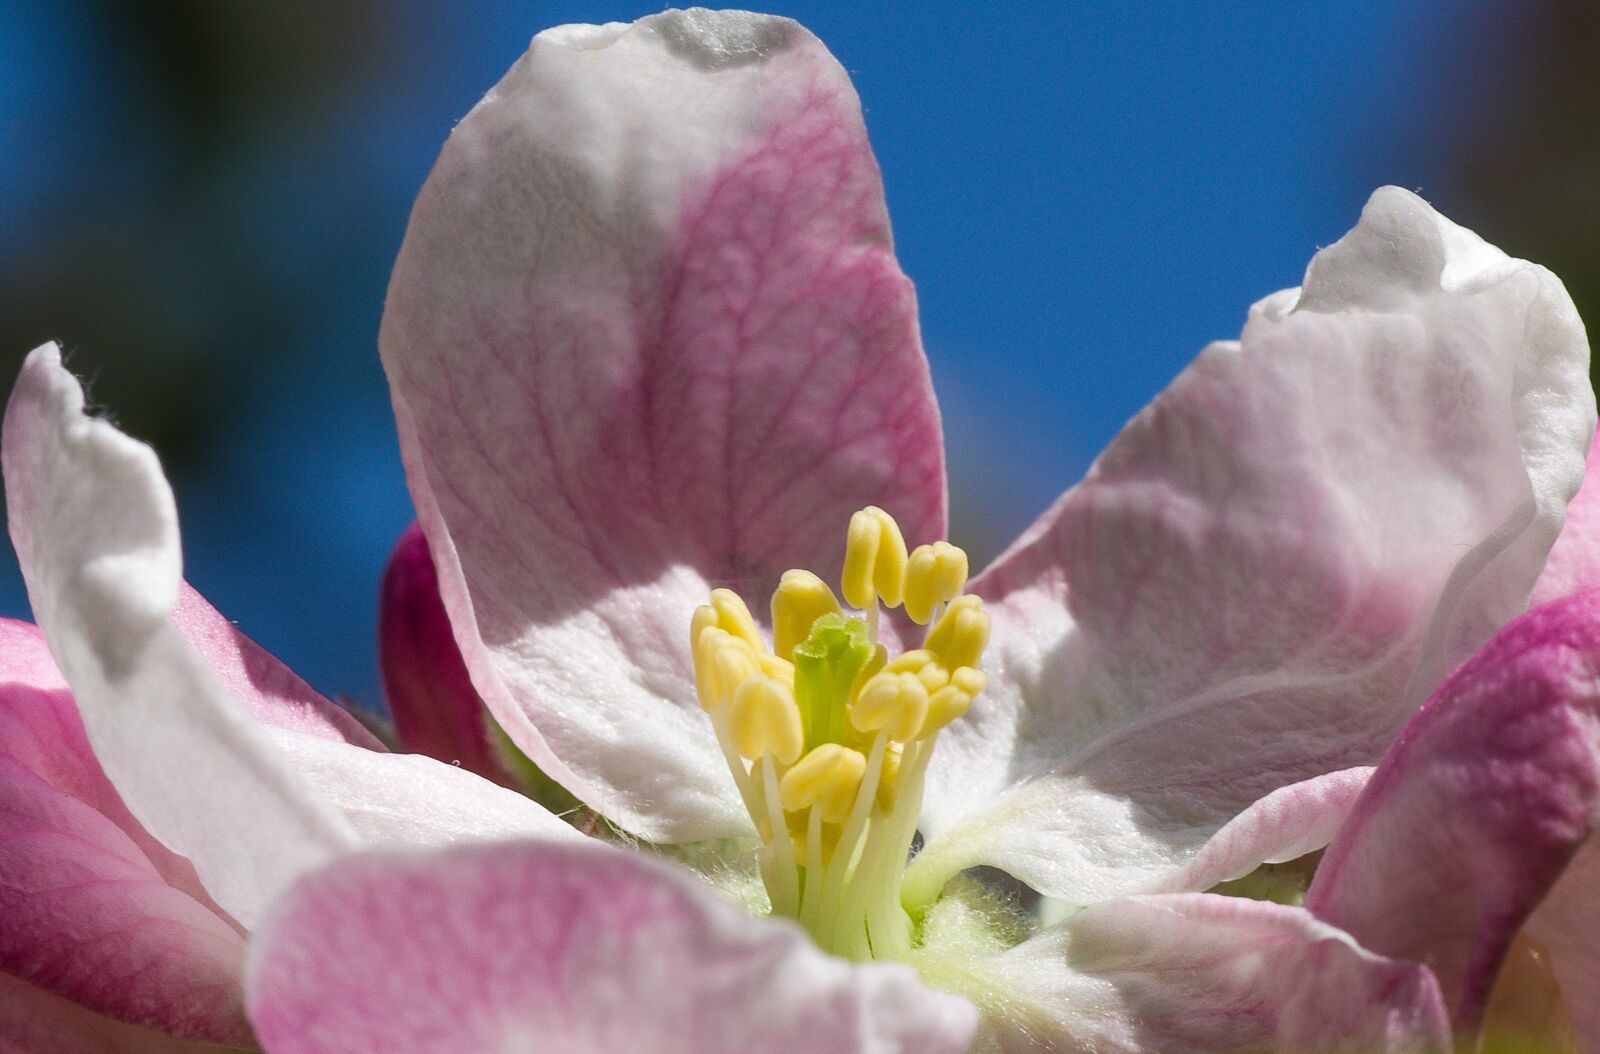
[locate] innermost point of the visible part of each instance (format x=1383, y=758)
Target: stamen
x=800, y=600
x=953, y=700
x=828, y=738
x=874, y=560
x=766, y=721
x=734, y=616
x=935, y=574
x=826, y=777
x=896, y=702
x=722, y=663
x=961, y=633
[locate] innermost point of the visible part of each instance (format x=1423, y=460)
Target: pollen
x=827, y=734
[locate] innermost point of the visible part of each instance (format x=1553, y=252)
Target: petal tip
x=715, y=40
x=1400, y=250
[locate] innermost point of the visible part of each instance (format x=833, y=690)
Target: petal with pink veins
x=1275, y=561
x=100, y=922
x=646, y=336
x=1477, y=810
x=578, y=948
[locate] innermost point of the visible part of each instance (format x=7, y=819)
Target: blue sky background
x=1085, y=194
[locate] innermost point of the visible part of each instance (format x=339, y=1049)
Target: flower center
x=828, y=738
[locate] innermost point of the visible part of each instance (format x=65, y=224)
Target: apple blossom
x=679, y=380
x=650, y=354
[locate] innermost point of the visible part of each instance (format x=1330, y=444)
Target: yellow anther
x=933, y=677
x=924, y=664
x=874, y=560
x=722, y=662
x=764, y=720
x=896, y=702
x=733, y=616
x=772, y=666
x=800, y=599
x=969, y=680
x=911, y=661
x=705, y=616
x=827, y=777
x=961, y=633
x=953, y=700
x=944, y=706
x=934, y=574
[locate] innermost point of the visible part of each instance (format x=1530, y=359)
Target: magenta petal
x=92, y=909
x=647, y=335
x=576, y=948
x=1203, y=973
x=1478, y=807
x=435, y=709
x=32, y=1021
x=1574, y=561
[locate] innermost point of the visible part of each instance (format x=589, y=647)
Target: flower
x=687, y=376
x=650, y=352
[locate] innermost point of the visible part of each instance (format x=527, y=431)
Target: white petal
x=93, y=522
x=1274, y=563
x=411, y=799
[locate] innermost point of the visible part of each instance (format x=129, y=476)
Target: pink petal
x=94, y=910
x=647, y=335
x=436, y=710
x=1478, y=807
x=32, y=1021
x=271, y=692
x=1196, y=972
x=1285, y=825
x=1274, y=562
x=574, y=948
x=1574, y=563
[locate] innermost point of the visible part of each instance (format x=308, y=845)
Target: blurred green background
x=201, y=200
